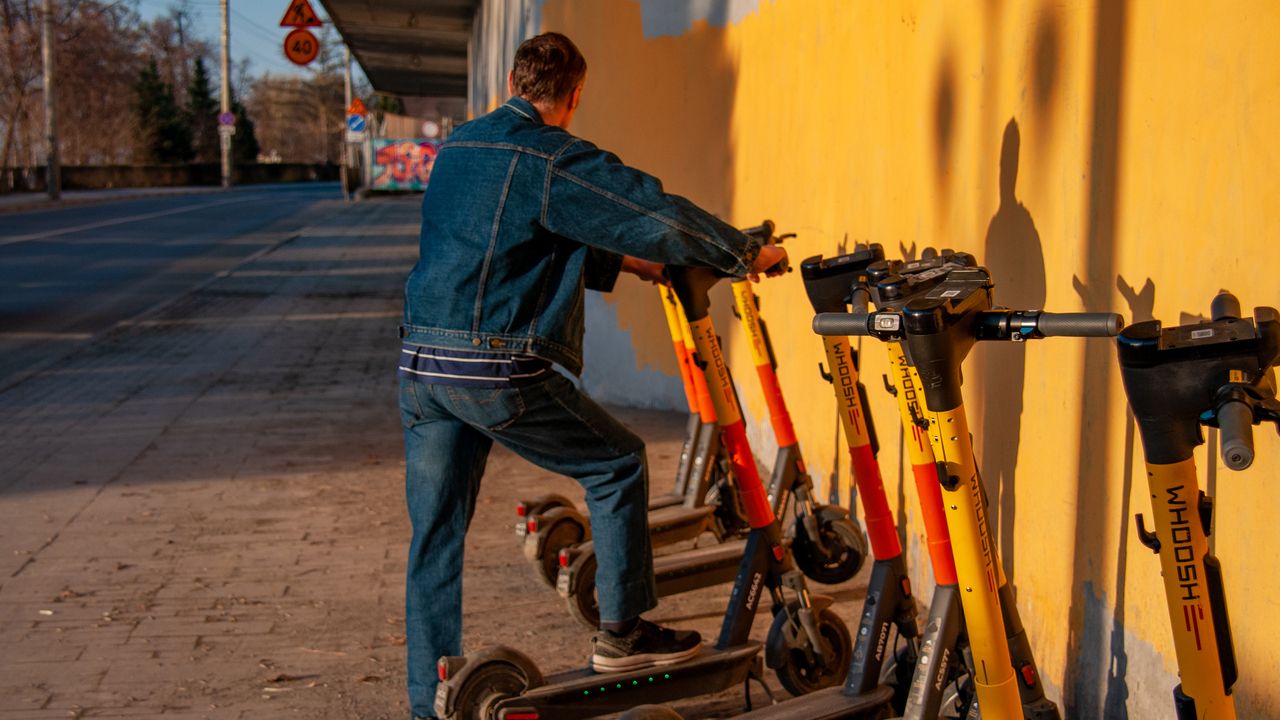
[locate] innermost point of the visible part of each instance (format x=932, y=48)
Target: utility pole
x=224, y=136
x=348, y=156
x=53, y=177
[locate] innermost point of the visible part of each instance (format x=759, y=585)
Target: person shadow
x=1015, y=258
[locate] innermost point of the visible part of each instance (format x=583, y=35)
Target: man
x=520, y=217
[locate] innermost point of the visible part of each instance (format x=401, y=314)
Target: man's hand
x=645, y=270
x=769, y=256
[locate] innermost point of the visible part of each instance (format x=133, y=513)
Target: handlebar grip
x=1224, y=305
x=841, y=324
x=1080, y=324
x=1235, y=421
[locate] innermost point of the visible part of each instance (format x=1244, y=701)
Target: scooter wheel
x=798, y=673
x=650, y=712
x=490, y=684
x=561, y=535
x=583, y=604
x=846, y=550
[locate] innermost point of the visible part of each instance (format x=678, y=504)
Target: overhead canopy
x=408, y=47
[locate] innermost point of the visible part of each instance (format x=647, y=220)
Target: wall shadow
x=1014, y=256
x=1085, y=652
x=1115, y=702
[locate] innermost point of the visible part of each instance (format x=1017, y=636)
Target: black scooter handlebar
x=1235, y=421
x=1079, y=324
x=990, y=325
x=842, y=324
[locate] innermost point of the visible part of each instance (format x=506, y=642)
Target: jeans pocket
x=492, y=409
x=410, y=408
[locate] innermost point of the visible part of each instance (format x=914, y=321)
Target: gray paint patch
x=1121, y=676
x=675, y=17
x=609, y=365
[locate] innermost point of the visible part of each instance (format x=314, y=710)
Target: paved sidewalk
x=201, y=514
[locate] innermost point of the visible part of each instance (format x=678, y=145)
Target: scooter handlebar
x=1079, y=324
x=842, y=324
x=1235, y=422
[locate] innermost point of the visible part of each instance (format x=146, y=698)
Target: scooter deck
x=829, y=704
x=583, y=693
x=698, y=568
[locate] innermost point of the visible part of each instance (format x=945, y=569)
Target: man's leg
x=556, y=427
x=444, y=460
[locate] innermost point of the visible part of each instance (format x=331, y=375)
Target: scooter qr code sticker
x=1201, y=334
x=562, y=583
x=951, y=293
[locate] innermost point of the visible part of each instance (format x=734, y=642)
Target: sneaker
x=646, y=645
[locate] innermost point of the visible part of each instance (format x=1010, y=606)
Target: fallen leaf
x=370, y=679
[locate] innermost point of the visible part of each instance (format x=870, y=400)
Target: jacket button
x=476, y=341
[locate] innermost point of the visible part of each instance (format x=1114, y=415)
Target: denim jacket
x=518, y=214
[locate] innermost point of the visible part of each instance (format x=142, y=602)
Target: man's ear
x=510, y=88
x=575, y=98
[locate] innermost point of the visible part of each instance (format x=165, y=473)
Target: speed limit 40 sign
x=300, y=46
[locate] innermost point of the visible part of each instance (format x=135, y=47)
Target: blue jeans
x=448, y=432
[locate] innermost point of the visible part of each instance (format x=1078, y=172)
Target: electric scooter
x=551, y=522
x=938, y=330
x=1219, y=373
x=927, y=678
x=500, y=683
x=827, y=545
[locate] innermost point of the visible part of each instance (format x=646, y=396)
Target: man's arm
x=594, y=198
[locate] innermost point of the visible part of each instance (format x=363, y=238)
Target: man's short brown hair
x=547, y=67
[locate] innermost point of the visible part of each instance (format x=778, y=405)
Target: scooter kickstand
x=756, y=673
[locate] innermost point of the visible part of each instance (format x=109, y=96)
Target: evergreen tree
x=162, y=136
x=244, y=145
x=202, y=116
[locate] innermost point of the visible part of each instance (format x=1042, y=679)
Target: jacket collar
x=524, y=107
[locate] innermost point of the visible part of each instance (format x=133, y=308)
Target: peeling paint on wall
x=611, y=372
x=676, y=17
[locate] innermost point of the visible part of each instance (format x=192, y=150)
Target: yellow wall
x=1147, y=150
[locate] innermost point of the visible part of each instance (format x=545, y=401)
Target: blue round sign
x=226, y=119
x=355, y=123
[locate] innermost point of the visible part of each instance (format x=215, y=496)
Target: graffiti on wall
x=403, y=164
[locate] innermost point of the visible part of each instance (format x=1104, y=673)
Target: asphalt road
x=70, y=274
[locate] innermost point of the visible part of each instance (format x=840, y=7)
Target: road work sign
x=357, y=108
x=300, y=14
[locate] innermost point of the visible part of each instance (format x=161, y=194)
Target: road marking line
x=119, y=221
x=44, y=336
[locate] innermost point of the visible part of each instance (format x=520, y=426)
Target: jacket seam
x=647, y=212
x=493, y=241
x=494, y=146
x=546, y=185
x=530, y=339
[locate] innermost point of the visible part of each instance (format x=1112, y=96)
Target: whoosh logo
x=1184, y=554
x=847, y=380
